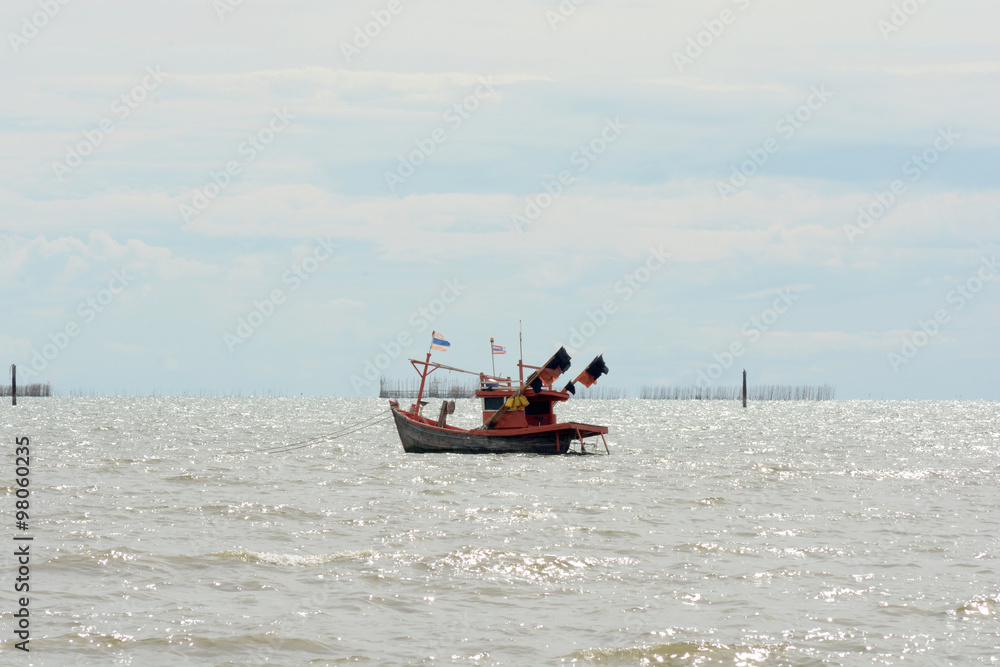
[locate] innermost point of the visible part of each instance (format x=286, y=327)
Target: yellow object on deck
x=516, y=403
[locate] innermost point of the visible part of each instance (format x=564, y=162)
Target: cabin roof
x=551, y=395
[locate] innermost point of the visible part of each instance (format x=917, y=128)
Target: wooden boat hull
x=420, y=437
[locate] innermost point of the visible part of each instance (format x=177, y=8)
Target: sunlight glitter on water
x=788, y=533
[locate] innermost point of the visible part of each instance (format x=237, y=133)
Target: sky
x=236, y=197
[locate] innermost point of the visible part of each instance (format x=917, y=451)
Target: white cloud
x=325, y=176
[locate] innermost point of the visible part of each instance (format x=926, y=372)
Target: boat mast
x=423, y=379
x=520, y=347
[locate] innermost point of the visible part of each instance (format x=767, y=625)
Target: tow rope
x=319, y=439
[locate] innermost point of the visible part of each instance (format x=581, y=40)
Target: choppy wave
x=981, y=605
x=679, y=653
x=292, y=560
x=513, y=566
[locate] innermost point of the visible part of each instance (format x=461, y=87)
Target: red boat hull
x=418, y=435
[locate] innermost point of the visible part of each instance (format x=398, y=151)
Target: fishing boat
x=518, y=416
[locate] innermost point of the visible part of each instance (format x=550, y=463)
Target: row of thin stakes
x=390, y=388
x=435, y=388
x=407, y=389
x=761, y=392
x=27, y=390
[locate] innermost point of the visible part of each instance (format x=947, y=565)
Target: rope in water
x=319, y=439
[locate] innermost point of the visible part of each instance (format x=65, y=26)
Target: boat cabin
x=534, y=408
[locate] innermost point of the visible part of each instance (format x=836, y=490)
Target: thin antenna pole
x=493, y=357
x=520, y=346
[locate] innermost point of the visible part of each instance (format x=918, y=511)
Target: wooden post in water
x=13, y=384
x=744, y=387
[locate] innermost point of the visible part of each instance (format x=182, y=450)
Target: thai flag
x=438, y=342
x=499, y=349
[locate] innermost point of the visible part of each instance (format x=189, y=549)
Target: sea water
x=165, y=531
